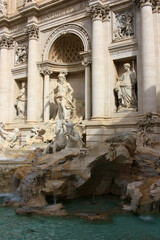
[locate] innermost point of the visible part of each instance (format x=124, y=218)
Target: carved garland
x=67, y=29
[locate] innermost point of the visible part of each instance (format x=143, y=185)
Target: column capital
x=6, y=42
x=156, y=6
x=86, y=58
x=46, y=71
x=10, y=42
x=141, y=3
x=99, y=11
x=32, y=32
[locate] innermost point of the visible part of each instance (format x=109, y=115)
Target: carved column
x=107, y=42
x=11, y=100
x=46, y=103
x=148, y=56
x=98, y=68
x=87, y=64
x=32, y=89
x=4, y=93
x=156, y=16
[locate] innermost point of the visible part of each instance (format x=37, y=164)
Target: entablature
x=60, y=67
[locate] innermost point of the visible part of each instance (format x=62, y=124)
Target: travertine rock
x=134, y=193
x=54, y=210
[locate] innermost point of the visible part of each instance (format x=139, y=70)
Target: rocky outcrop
x=14, y=165
x=133, y=192
x=102, y=169
x=126, y=164
x=53, y=210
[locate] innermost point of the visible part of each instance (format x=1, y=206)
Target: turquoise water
x=120, y=227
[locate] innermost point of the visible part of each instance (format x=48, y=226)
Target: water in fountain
x=120, y=227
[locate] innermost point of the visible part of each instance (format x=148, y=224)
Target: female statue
x=125, y=89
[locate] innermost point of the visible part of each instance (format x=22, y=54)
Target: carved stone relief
x=123, y=24
x=21, y=53
x=9, y=139
x=125, y=89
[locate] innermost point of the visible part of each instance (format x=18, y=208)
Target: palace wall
x=91, y=41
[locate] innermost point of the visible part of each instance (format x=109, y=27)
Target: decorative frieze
x=6, y=42
x=33, y=32
x=63, y=12
x=99, y=12
x=123, y=24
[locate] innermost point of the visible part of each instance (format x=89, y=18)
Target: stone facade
x=108, y=50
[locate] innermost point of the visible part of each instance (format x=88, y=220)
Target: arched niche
x=66, y=49
x=65, y=56
x=63, y=30
x=61, y=53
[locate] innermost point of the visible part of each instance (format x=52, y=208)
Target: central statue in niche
x=63, y=96
x=126, y=89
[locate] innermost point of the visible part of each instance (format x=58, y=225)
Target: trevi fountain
x=80, y=119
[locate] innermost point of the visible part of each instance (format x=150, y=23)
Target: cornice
x=56, y=67
x=40, y=10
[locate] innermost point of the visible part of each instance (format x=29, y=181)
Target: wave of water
x=12, y=196
x=147, y=218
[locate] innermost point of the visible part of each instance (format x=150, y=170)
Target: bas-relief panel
x=123, y=26
x=21, y=53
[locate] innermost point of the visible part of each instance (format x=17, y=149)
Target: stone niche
x=20, y=99
x=125, y=85
x=77, y=82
